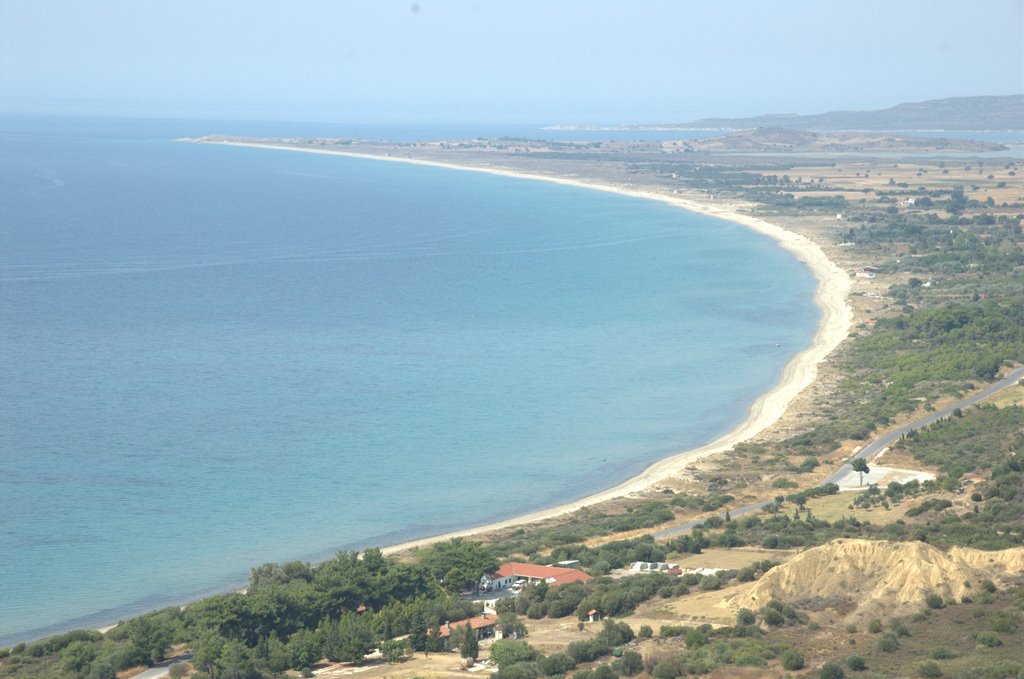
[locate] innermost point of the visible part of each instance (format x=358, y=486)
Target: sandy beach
x=833, y=287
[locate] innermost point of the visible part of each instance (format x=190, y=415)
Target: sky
x=483, y=61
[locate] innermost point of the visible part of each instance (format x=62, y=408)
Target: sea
x=215, y=357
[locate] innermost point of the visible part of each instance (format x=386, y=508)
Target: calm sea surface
x=215, y=357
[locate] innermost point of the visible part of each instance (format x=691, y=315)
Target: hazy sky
x=543, y=61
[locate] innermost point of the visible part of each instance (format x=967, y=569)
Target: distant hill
x=782, y=140
x=957, y=113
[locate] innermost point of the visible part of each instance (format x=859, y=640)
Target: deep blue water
x=215, y=357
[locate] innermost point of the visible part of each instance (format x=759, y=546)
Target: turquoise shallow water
x=214, y=357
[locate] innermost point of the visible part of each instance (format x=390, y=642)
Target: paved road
x=870, y=450
x=164, y=668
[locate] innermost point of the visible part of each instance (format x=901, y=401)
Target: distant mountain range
x=957, y=113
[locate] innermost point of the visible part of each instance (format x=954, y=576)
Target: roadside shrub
x=792, y=660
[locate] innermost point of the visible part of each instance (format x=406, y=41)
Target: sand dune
x=876, y=578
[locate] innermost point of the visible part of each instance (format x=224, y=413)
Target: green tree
x=206, y=650
x=393, y=650
x=347, y=640
x=506, y=652
x=510, y=625
x=459, y=563
x=275, y=654
x=234, y=661
x=464, y=638
x=304, y=649
x=102, y=669
x=77, y=656
x=151, y=635
x=860, y=466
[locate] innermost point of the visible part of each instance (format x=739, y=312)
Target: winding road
x=871, y=450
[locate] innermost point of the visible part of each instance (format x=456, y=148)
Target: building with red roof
x=484, y=625
x=514, y=572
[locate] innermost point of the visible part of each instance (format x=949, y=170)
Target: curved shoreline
x=833, y=287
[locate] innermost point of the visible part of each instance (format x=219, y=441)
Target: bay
x=214, y=357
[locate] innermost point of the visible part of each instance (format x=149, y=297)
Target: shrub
x=667, y=631
x=929, y=668
x=629, y=664
x=941, y=653
x=745, y=616
x=520, y=670
x=507, y=652
x=988, y=639
x=557, y=663
x=696, y=638
x=875, y=626
x=774, y=618
x=831, y=670
x=935, y=601
x=888, y=643
x=645, y=632
x=792, y=660
x=670, y=667
x=899, y=629
x=587, y=651
x=856, y=663
x=616, y=633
